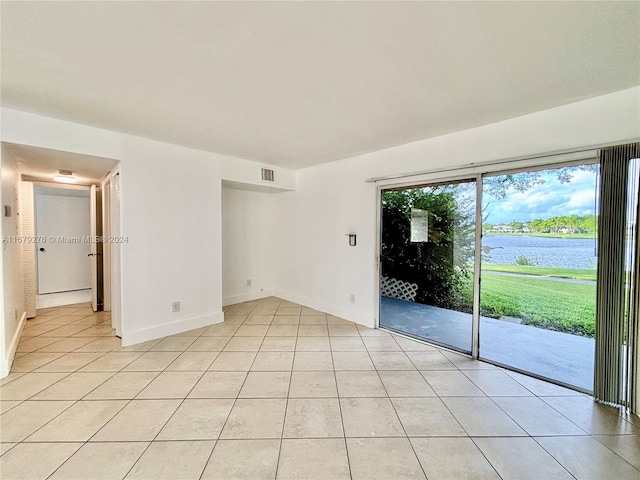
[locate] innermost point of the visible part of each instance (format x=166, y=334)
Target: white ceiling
x=298, y=84
x=43, y=163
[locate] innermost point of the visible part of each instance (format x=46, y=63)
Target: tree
x=516, y=225
x=537, y=225
x=497, y=186
x=588, y=223
x=441, y=265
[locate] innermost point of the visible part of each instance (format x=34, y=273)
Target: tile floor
x=280, y=390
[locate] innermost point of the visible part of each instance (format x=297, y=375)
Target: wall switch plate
x=353, y=298
x=248, y=282
x=175, y=307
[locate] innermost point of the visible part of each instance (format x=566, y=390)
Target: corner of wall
x=335, y=310
x=247, y=297
x=171, y=328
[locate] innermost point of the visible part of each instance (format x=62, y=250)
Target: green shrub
x=525, y=261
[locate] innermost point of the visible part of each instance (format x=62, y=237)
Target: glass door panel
x=538, y=276
x=426, y=262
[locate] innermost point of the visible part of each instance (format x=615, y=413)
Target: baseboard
x=246, y=297
x=60, y=299
x=5, y=367
x=171, y=328
x=327, y=308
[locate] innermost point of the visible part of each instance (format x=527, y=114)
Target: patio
x=555, y=355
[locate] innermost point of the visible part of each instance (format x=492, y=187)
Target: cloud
x=582, y=199
x=549, y=199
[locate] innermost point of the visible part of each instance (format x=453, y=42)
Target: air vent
x=268, y=175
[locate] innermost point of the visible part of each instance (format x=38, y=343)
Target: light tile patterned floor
x=280, y=390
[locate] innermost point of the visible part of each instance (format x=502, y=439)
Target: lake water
x=544, y=251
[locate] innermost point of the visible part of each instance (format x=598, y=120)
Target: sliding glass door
x=426, y=262
x=538, y=295
x=537, y=302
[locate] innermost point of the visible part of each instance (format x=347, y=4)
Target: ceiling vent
x=268, y=175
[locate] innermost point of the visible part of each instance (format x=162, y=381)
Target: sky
x=550, y=199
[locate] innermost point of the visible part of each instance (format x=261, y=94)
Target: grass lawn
x=575, y=273
x=562, y=306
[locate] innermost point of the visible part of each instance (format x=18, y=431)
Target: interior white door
x=93, y=220
x=62, y=222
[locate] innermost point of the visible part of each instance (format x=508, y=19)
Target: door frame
x=105, y=187
x=115, y=250
x=107, y=261
x=475, y=318
x=93, y=220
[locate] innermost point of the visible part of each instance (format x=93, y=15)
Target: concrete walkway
x=555, y=355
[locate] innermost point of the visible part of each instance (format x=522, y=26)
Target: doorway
x=65, y=208
x=62, y=225
x=500, y=266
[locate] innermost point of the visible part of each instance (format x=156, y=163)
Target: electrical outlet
x=175, y=307
x=248, y=282
x=353, y=298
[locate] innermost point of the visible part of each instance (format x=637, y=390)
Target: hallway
x=280, y=390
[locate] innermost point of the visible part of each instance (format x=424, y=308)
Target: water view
x=541, y=251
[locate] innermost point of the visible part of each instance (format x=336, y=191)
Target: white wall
x=248, y=241
x=13, y=294
x=171, y=214
x=321, y=270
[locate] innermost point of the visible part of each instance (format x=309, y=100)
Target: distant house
x=503, y=229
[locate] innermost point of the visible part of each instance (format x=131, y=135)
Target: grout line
x=159, y=373
x=395, y=411
x=335, y=379
x=485, y=457
x=184, y=399
x=305, y=438
x=552, y=456
x=235, y=401
x=286, y=413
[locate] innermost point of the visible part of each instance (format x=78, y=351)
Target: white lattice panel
x=392, y=287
